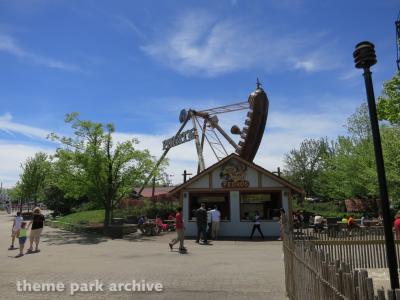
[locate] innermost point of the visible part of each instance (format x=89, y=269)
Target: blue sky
x=138, y=63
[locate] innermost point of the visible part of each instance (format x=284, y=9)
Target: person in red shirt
x=397, y=226
x=180, y=231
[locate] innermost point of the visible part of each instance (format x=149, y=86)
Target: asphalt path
x=102, y=268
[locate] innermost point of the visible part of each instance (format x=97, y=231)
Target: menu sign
x=233, y=175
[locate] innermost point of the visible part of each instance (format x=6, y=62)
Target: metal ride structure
x=206, y=128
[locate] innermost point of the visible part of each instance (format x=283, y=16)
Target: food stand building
x=239, y=188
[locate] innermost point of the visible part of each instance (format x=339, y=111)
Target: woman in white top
x=15, y=229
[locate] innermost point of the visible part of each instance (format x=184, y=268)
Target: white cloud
x=351, y=74
x=9, y=45
x=12, y=155
x=202, y=44
x=129, y=24
x=315, y=61
x=285, y=130
x=7, y=125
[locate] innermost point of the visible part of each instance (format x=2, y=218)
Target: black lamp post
x=398, y=42
x=364, y=58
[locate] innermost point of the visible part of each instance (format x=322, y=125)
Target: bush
x=146, y=207
x=325, y=209
x=55, y=199
x=91, y=205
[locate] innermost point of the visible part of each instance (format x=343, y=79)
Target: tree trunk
x=109, y=201
x=107, y=215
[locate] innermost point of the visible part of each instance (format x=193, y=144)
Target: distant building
x=361, y=205
x=161, y=194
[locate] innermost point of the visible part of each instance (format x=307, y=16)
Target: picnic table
x=171, y=224
x=149, y=228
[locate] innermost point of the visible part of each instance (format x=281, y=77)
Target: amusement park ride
x=206, y=123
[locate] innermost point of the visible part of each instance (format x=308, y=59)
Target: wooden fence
x=312, y=273
x=359, y=247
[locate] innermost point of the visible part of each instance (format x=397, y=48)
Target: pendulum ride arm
x=161, y=158
x=203, y=135
x=225, y=109
x=224, y=134
x=198, y=145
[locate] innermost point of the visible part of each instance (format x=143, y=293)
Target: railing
x=317, y=268
x=362, y=247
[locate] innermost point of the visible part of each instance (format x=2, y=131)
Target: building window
x=220, y=200
x=267, y=204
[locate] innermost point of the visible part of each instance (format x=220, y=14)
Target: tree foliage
x=346, y=166
x=389, y=102
x=91, y=165
x=88, y=168
x=304, y=165
x=32, y=180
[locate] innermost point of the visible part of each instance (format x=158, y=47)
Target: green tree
x=352, y=171
x=93, y=166
x=305, y=165
x=391, y=154
x=389, y=102
x=32, y=180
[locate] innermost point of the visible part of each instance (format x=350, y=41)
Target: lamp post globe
x=364, y=55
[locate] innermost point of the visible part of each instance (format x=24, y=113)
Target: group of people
x=207, y=223
x=207, y=226
x=152, y=227
x=20, y=230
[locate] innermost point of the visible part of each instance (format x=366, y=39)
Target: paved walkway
x=225, y=270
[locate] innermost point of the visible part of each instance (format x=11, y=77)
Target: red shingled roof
x=361, y=205
x=158, y=191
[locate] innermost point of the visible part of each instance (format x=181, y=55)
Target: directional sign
x=181, y=138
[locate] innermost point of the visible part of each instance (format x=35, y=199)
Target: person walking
x=36, y=229
x=8, y=206
x=397, y=226
x=216, y=218
x=180, y=231
x=22, y=234
x=209, y=223
x=15, y=229
x=257, y=225
x=201, y=220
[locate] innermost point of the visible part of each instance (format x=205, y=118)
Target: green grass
x=89, y=217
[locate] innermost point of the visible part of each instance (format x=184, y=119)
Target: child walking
x=22, y=239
